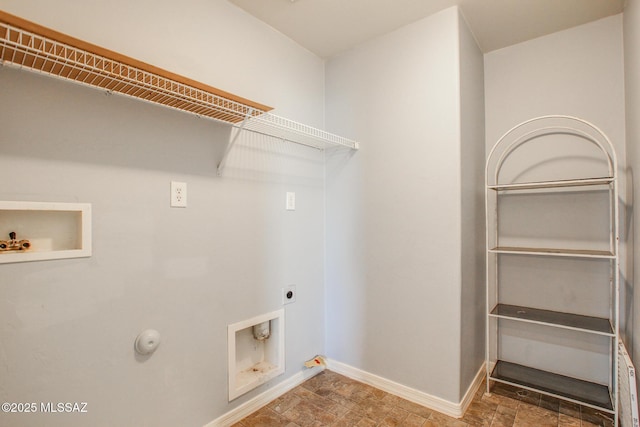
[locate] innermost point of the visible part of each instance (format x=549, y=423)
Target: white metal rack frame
x=30, y=46
x=601, y=397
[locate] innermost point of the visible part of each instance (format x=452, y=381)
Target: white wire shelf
x=32, y=47
x=289, y=130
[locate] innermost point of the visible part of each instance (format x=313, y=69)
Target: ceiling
x=328, y=27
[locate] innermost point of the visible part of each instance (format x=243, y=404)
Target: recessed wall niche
x=51, y=230
x=256, y=352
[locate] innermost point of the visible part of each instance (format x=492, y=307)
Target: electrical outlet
x=289, y=294
x=178, y=194
x=291, y=201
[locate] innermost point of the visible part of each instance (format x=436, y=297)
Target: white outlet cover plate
x=178, y=194
x=291, y=201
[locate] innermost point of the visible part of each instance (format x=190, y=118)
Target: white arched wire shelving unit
x=505, y=314
x=32, y=47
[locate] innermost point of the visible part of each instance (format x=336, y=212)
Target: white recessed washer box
x=55, y=230
x=251, y=361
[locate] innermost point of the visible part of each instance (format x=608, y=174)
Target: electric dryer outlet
x=289, y=294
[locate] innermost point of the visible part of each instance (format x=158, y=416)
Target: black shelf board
x=589, y=393
x=554, y=318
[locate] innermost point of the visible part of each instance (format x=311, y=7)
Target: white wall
x=393, y=265
x=632, y=99
x=577, y=72
x=67, y=327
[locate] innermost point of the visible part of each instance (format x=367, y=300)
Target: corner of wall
x=472, y=156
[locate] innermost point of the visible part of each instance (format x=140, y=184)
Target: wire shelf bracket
x=232, y=142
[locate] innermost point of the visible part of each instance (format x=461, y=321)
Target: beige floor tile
x=414, y=420
x=529, y=415
x=284, y=403
x=366, y=422
x=567, y=421
x=394, y=418
x=480, y=413
x=375, y=409
x=441, y=420
x=265, y=417
x=504, y=416
x=351, y=418
x=344, y=423
x=413, y=408
x=500, y=400
x=569, y=408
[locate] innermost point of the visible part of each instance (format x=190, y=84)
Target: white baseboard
x=421, y=398
x=252, y=405
x=473, y=388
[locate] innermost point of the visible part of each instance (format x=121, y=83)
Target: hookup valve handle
x=13, y=244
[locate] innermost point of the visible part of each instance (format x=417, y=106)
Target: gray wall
x=394, y=257
x=577, y=71
x=472, y=242
x=67, y=327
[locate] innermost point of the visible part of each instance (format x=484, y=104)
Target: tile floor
x=330, y=399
